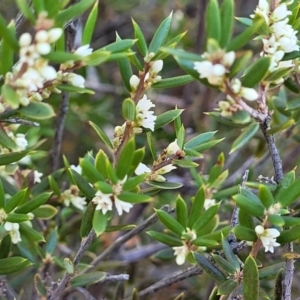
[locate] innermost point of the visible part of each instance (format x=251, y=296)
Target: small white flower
x=267, y=237
x=191, y=233
x=21, y=141
x=213, y=72
x=228, y=59
x=208, y=203
x=76, y=80
x=84, y=50
x=14, y=232
x=145, y=117
x=249, y=94
x=79, y=202
x=42, y=36
x=280, y=12
x=181, y=252
x=77, y=168
x=103, y=202
x=122, y=206
x=43, y=48
x=156, y=66
x=48, y=72
x=172, y=148
x=142, y=169
x=134, y=82
x=166, y=169
x=25, y=39
x=54, y=34
x=37, y=176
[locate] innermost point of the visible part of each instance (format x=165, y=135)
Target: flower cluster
x=181, y=252
x=215, y=66
x=159, y=168
x=267, y=237
x=105, y=201
x=282, y=38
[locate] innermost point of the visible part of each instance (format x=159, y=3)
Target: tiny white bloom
x=14, y=232
x=103, y=202
x=48, y=72
x=145, y=117
x=191, y=233
x=172, y=148
x=142, y=169
x=122, y=206
x=77, y=168
x=134, y=82
x=84, y=50
x=25, y=39
x=249, y=94
x=79, y=202
x=157, y=66
x=41, y=36
x=21, y=141
x=43, y=48
x=181, y=252
x=37, y=176
x=228, y=59
x=166, y=169
x=54, y=34
x=280, y=12
x=208, y=203
x=76, y=80
x=267, y=237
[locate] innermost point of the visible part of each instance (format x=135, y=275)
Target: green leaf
x=181, y=137
x=125, y=159
x=138, y=35
x=184, y=163
x=290, y=221
x=45, y=212
x=10, y=96
x=38, y=6
x=213, y=21
x=165, y=238
x=276, y=220
x=224, y=264
x=122, y=227
x=7, y=56
x=133, y=182
x=160, y=35
x=99, y=222
x=13, y=264
x=249, y=206
x=286, y=181
x=181, y=211
x=26, y=11
x=129, y=109
x=33, y=203
x=207, y=145
x=217, y=235
x=69, y=266
x=137, y=159
x=62, y=56
x=270, y=271
x=83, y=185
x=90, y=171
x=73, y=11
x=87, y=279
x=256, y=72
x=54, y=186
x=209, y=268
x=245, y=219
x=51, y=242
x=228, y=121
x=75, y=89
x=96, y=58
x=278, y=74
x=289, y=235
x=202, y=138
x=101, y=134
x=87, y=220
x=134, y=197
x=5, y=245
x=291, y=55
x=170, y=222
x=206, y=217
x=173, y=82
x=293, y=104
x=6, y=159
x=244, y=233
x=201, y=242
x=240, y=63
x=250, y=280
x=151, y=144
x=39, y=285
x=37, y=111
x=289, y=195
x=242, y=39
x=167, y=117
x=165, y=185
x=17, y=218
x=31, y=234
x=125, y=71
x=197, y=207
x=90, y=25
x=230, y=256
x=7, y=35
x=227, y=21
x=2, y=195
x=245, y=136
x=265, y=196
x=227, y=287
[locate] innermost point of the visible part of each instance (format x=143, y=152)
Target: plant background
x=104, y=108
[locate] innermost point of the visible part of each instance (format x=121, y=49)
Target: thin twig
x=175, y=277
x=20, y=121
x=124, y=238
x=65, y=280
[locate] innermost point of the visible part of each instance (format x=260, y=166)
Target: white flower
x=43, y=48
x=69, y=197
x=280, y=12
x=267, y=237
x=134, y=82
x=166, y=169
x=103, y=202
x=172, y=148
x=84, y=50
x=41, y=36
x=228, y=59
x=25, y=39
x=54, y=34
x=21, y=141
x=208, y=203
x=145, y=117
x=122, y=206
x=78, y=169
x=79, y=202
x=76, y=80
x=48, y=72
x=142, y=169
x=249, y=94
x=213, y=72
x=181, y=252
x=37, y=176
x=156, y=66
x=14, y=232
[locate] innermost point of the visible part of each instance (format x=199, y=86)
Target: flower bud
x=25, y=39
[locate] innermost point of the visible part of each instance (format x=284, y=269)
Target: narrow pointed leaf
x=125, y=71
x=230, y=256
x=13, y=264
x=265, y=196
x=227, y=287
x=199, y=139
x=7, y=35
x=213, y=22
x=173, y=82
x=87, y=279
x=33, y=203
x=2, y=195
x=181, y=211
x=289, y=235
x=244, y=233
x=206, y=217
x=197, y=207
x=165, y=238
x=83, y=185
x=125, y=159
x=170, y=222
x=227, y=21
x=224, y=264
x=128, y=109
x=99, y=222
x=289, y=195
x=90, y=25
x=87, y=220
x=250, y=280
x=102, y=134
x=141, y=42
x=251, y=207
x=167, y=117
x=270, y=271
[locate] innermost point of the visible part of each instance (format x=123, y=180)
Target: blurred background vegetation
x=104, y=108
